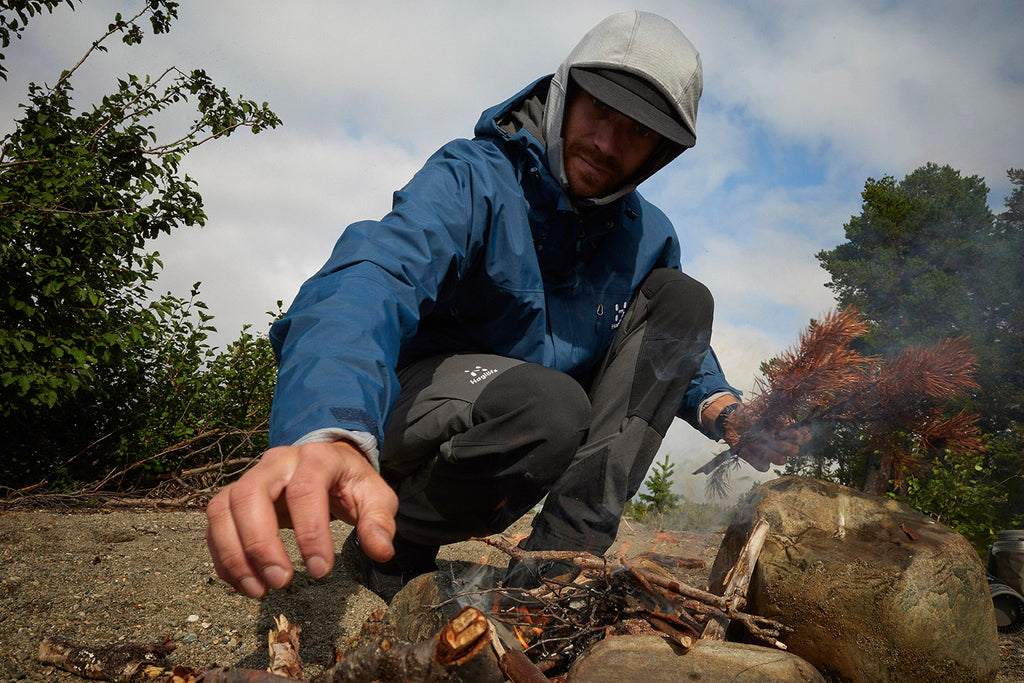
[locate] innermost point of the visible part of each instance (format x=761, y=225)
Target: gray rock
x=875, y=590
x=428, y=602
x=653, y=659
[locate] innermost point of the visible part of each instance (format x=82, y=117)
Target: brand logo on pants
x=479, y=374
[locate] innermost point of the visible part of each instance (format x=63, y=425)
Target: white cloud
x=274, y=213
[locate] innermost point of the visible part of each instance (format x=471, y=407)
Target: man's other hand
x=299, y=487
x=762, y=449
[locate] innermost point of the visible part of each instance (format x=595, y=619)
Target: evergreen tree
x=925, y=260
x=660, y=498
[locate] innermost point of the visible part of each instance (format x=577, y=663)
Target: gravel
x=138, y=576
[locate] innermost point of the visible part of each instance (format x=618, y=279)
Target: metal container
x=1006, y=559
x=1009, y=607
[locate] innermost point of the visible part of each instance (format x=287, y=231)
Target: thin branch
x=111, y=31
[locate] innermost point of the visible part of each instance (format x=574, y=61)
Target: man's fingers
x=309, y=510
x=252, y=508
x=298, y=486
x=378, y=505
x=229, y=558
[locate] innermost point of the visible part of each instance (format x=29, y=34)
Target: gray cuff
x=703, y=406
x=364, y=441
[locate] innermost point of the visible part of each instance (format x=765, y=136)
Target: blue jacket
x=481, y=252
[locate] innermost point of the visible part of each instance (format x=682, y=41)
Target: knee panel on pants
x=533, y=404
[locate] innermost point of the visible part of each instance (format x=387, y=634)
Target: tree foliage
x=82, y=191
x=659, y=497
x=925, y=260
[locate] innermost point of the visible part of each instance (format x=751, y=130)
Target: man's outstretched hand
x=299, y=487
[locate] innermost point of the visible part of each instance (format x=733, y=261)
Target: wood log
x=738, y=580
x=125, y=662
x=461, y=651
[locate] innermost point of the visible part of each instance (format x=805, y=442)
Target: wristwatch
x=721, y=419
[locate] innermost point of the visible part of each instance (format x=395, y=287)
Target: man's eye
x=642, y=131
x=599, y=105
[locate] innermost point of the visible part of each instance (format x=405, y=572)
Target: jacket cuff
x=703, y=406
x=365, y=442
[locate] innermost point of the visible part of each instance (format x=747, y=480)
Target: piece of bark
x=283, y=648
x=738, y=580
x=125, y=662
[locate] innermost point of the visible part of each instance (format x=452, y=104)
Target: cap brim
x=630, y=104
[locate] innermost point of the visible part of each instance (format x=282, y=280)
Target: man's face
x=603, y=148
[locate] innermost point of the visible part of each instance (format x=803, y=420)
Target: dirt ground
x=137, y=576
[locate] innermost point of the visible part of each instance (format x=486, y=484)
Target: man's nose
x=608, y=137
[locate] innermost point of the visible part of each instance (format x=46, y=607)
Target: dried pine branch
x=824, y=380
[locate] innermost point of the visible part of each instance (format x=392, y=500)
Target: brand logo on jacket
x=479, y=374
x=620, y=310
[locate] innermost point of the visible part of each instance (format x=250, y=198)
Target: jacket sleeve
x=709, y=380
x=338, y=345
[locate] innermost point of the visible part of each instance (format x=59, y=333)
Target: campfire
x=503, y=634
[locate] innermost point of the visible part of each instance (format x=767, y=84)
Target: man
x=516, y=327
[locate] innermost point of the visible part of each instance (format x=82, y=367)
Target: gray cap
x=634, y=97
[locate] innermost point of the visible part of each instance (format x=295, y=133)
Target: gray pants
x=477, y=440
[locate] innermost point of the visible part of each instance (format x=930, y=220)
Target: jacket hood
x=644, y=45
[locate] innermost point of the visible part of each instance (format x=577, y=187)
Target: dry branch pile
x=221, y=454
x=566, y=615
x=897, y=403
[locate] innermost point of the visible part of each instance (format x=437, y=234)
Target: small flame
x=520, y=637
x=624, y=549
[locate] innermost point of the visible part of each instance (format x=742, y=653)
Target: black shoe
x=387, y=578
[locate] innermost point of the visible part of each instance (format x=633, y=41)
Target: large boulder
x=874, y=590
x=654, y=659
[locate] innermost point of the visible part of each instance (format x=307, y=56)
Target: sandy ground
x=137, y=576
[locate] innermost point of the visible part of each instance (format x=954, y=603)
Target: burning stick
x=708, y=604
x=560, y=623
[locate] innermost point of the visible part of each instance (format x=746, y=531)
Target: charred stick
x=671, y=561
x=506, y=546
x=520, y=669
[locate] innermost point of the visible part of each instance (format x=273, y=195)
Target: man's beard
x=609, y=168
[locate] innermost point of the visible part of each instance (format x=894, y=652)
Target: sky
x=803, y=102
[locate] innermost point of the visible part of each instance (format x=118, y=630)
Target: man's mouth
x=596, y=166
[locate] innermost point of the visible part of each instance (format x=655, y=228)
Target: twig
x=738, y=580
